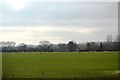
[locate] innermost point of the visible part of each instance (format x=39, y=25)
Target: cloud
x=41, y=33
x=51, y=33
x=17, y=5
x=63, y=14
x=59, y=22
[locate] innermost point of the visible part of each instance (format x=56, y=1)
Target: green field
x=60, y=65
x=0, y=65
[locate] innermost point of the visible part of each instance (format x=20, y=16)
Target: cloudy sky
x=31, y=21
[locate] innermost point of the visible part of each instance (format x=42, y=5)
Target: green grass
x=0, y=64
x=62, y=65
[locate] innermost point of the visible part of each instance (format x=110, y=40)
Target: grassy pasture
x=60, y=65
x=0, y=65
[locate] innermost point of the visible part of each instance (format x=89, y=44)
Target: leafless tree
x=109, y=38
x=44, y=43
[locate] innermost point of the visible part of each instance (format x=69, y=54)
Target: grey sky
x=31, y=22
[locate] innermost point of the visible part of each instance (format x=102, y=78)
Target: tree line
x=71, y=46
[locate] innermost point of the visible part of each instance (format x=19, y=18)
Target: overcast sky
x=58, y=22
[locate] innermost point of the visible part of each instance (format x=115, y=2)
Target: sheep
x=13, y=53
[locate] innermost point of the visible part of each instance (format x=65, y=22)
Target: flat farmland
x=60, y=64
x=0, y=65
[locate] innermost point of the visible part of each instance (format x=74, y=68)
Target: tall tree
x=88, y=47
x=72, y=46
x=93, y=46
x=9, y=46
x=2, y=44
x=62, y=47
x=22, y=47
x=109, y=39
x=44, y=43
x=44, y=46
x=109, y=42
x=101, y=46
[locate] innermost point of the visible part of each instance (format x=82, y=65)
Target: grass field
x=60, y=65
x=0, y=65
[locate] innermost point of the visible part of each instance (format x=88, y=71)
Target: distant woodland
x=71, y=46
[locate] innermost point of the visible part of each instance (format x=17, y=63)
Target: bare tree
x=2, y=44
x=62, y=47
x=43, y=43
x=117, y=38
x=88, y=46
x=44, y=46
x=109, y=38
x=22, y=47
x=10, y=43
